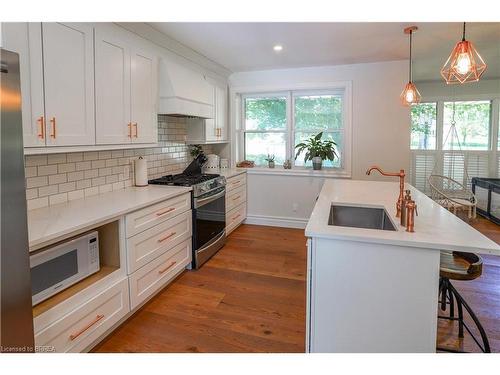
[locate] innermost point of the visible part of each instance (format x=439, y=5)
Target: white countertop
x=51, y=224
x=435, y=227
x=226, y=172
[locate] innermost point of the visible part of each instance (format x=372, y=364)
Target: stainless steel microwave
x=59, y=267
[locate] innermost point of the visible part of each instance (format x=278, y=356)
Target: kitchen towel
x=141, y=172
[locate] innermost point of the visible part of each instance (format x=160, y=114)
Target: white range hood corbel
x=184, y=92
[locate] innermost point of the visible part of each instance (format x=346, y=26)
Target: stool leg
x=482, y=332
x=452, y=304
x=444, y=291
x=460, y=319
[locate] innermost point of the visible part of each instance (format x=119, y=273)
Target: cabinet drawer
x=235, y=198
x=235, y=217
x=154, y=275
x=148, y=217
x=236, y=181
x=79, y=328
x=146, y=246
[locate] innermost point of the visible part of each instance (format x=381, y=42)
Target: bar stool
x=457, y=265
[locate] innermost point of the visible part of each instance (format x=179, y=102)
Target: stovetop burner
x=183, y=179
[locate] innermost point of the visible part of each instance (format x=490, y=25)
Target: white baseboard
x=276, y=221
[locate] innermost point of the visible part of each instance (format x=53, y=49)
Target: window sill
x=302, y=172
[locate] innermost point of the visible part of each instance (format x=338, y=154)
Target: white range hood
x=184, y=92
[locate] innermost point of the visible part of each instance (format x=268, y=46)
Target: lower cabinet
x=159, y=249
x=87, y=322
x=236, y=201
x=154, y=275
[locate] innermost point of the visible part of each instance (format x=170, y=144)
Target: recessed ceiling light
x=278, y=47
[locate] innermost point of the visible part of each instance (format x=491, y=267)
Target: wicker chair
x=452, y=195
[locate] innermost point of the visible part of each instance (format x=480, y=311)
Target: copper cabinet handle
x=41, y=122
x=236, y=198
x=167, y=237
x=237, y=216
x=165, y=212
x=167, y=268
x=136, y=130
x=53, y=122
x=129, y=129
x=76, y=334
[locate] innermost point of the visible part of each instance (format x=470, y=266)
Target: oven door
x=209, y=217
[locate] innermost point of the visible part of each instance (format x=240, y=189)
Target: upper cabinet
x=200, y=131
x=57, y=84
x=68, y=76
x=62, y=64
x=126, y=89
x=143, y=98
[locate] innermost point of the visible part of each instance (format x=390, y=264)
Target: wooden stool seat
x=457, y=265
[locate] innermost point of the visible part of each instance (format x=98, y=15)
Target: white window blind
x=422, y=166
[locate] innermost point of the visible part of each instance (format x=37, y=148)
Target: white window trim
x=237, y=133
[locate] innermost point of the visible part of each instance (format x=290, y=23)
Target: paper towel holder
x=140, y=173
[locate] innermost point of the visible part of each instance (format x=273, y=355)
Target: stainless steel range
x=209, y=209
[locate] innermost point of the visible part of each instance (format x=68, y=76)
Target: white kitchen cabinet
x=112, y=87
x=144, y=94
x=236, y=201
x=126, y=89
x=57, y=83
x=26, y=39
x=68, y=69
x=201, y=131
x=221, y=113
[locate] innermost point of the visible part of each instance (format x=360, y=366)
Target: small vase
x=317, y=162
x=271, y=164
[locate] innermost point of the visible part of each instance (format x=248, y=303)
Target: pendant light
x=410, y=94
x=465, y=64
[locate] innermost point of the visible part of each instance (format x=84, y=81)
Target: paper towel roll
x=141, y=172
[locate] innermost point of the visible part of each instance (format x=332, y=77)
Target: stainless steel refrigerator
x=16, y=328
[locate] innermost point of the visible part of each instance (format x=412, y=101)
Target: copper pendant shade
x=465, y=64
x=410, y=94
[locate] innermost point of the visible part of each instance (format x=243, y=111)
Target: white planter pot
x=317, y=163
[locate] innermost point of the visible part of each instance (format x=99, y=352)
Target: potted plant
x=270, y=160
x=317, y=150
x=195, y=150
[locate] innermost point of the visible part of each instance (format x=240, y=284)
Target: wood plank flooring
x=250, y=297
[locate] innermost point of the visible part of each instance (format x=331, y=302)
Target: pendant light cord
x=463, y=34
x=411, y=33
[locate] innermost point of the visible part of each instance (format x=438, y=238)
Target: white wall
x=484, y=89
x=380, y=133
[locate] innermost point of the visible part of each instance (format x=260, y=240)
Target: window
x=273, y=123
x=265, y=128
x=472, y=121
x=477, y=131
x=314, y=114
x=423, y=126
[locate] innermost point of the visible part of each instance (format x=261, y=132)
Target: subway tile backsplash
x=58, y=178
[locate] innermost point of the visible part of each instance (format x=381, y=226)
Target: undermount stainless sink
x=360, y=217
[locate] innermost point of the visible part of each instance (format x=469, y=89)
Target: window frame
x=493, y=152
x=342, y=89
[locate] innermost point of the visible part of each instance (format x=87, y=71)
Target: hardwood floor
x=250, y=297
x=482, y=295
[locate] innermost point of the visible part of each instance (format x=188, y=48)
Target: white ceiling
x=249, y=46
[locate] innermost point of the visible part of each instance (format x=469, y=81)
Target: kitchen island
x=376, y=290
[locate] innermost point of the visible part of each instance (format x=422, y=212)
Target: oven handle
x=203, y=201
